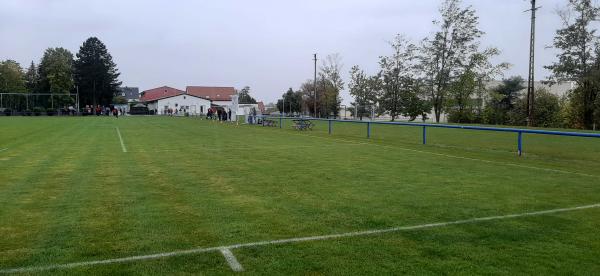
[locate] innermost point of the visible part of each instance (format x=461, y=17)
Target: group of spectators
x=174, y=111
x=218, y=114
x=103, y=110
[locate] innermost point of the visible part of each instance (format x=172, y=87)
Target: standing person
x=229, y=115
x=116, y=113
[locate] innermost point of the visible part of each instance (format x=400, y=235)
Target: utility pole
x=315, y=86
x=531, y=77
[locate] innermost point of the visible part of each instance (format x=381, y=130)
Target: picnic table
x=269, y=123
x=302, y=124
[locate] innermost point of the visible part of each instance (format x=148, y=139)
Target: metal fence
x=369, y=124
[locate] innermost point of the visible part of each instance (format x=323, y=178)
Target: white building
x=248, y=109
x=182, y=103
x=162, y=99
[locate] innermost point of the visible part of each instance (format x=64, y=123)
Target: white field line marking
x=231, y=260
x=121, y=139
x=459, y=157
x=291, y=240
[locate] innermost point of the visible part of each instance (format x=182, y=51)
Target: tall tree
x=12, y=79
x=460, y=104
x=578, y=46
x=56, y=71
x=291, y=102
x=466, y=95
x=364, y=89
x=96, y=75
x=244, y=96
x=32, y=78
x=331, y=84
x=444, y=54
x=401, y=91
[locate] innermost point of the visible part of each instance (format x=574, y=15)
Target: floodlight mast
x=531, y=76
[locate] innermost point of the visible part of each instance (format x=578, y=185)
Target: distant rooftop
x=211, y=92
x=130, y=93
x=160, y=93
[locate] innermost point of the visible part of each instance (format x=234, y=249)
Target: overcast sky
x=267, y=45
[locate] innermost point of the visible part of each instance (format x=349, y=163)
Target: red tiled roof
x=211, y=93
x=160, y=93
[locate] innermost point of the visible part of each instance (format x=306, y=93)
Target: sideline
x=225, y=249
x=121, y=139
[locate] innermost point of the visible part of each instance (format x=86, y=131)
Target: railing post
x=280, y=121
x=329, y=127
x=368, y=129
x=424, y=135
x=520, y=143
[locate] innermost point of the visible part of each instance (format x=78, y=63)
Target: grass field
x=74, y=191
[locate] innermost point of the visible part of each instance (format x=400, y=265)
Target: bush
x=50, y=111
x=38, y=110
x=547, y=111
x=7, y=112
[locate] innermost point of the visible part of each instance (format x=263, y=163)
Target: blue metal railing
x=519, y=131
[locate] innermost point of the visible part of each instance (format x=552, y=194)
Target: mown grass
x=68, y=194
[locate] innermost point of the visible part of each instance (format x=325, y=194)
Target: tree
x=96, y=74
x=12, y=79
x=546, y=107
x=291, y=102
x=461, y=104
x=32, y=78
x=503, y=99
x=401, y=89
x=444, y=55
x=364, y=89
x=331, y=84
x=244, y=96
x=578, y=46
x=119, y=100
x=56, y=75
